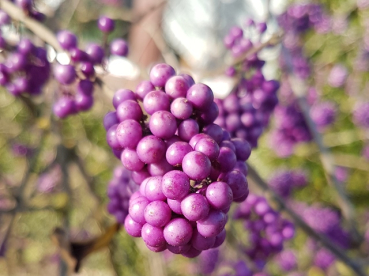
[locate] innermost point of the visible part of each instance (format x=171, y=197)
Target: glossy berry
x=106, y=24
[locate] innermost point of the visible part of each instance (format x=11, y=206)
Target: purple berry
x=67, y=40
x=160, y=73
x=105, y=24
x=119, y=47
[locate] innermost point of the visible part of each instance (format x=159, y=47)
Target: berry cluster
x=120, y=189
x=325, y=221
x=297, y=20
x=188, y=168
x=25, y=69
x=83, y=62
x=290, y=129
x=283, y=181
x=267, y=229
x=323, y=114
x=287, y=260
x=300, y=18
x=237, y=43
x=246, y=111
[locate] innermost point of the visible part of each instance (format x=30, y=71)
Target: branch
x=89, y=180
x=32, y=165
x=342, y=138
x=327, y=159
x=40, y=30
x=351, y=161
x=258, y=183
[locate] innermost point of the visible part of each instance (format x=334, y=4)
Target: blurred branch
x=327, y=159
x=34, y=109
x=7, y=233
x=115, y=265
x=342, y=138
x=32, y=164
x=351, y=161
x=39, y=29
x=89, y=180
x=259, y=184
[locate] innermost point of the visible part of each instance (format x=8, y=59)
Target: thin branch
x=327, y=159
x=32, y=164
x=341, y=138
x=258, y=183
x=89, y=180
x=8, y=231
x=40, y=30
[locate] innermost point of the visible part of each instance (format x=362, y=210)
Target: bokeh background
x=63, y=167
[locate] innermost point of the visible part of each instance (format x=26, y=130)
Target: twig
x=327, y=159
x=89, y=180
x=258, y=183
x=42, y=32
x=19, y=193
x=8, y=231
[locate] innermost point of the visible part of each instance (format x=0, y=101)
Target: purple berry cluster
x=188, y=168
x=246, y=111
x=287, y=260
x=323, y=114
x=361, y=115
x=300, y=18
x=267, y=229
x=325, y=221
x=120, y=189
x=237, y=43
x=290, y=129
x=284, y=181
x=295, y=22
x=77, y=79
x=25, y=69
